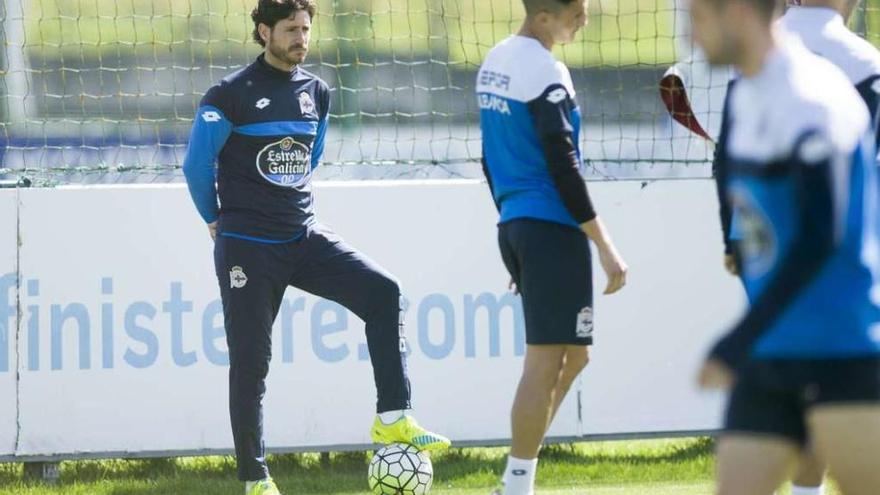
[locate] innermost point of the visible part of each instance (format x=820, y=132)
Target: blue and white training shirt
x=823, y=32
x=801, y=177
x=530, y=124
x=264, y=129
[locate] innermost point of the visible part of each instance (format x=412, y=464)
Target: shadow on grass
x=460, y=462
x=296, y=473
x=694, y=449
x=10, y=472
x=340, y=473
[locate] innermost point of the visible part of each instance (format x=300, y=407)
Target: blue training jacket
x=255, y=140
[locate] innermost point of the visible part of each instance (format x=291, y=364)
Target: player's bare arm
x=612, y=263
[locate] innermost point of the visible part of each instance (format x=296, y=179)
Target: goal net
x=105, y=90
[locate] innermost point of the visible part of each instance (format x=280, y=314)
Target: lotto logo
x=211, y=116
x=557, y=95
x=815, y=149
x=263, y=103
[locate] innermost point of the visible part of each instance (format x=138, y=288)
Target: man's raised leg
x=338, y=272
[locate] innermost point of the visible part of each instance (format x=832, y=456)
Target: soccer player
x=530, y=124
x=804, y=363
x=265, y=127
x=821, y=27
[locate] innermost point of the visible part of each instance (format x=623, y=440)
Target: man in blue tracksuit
x=264, y=128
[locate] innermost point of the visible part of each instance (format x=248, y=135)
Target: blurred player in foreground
x=804, y=363
x=530, y=124
x=821, y=26
x=265, y=125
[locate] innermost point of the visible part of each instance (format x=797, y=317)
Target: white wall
x=8, y=320
x=146, y=384
x=651, y=338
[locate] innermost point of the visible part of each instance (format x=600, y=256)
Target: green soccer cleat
x=265, y=487
x=407, y=430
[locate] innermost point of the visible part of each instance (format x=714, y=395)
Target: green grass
x=621, y=32
x=659, y=467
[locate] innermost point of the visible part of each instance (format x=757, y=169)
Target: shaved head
x=766, y=8
x=554, y=21
x=535, y=6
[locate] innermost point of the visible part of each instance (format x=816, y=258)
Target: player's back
x=797, y=129
x=824, y=33
x=517, y=74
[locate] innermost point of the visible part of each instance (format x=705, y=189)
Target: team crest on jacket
x=286, y=163
x=306, y=105
x=758, y=243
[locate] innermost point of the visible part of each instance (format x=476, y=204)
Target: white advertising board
x=651, y=338
x=124, y=352
x=8, y=319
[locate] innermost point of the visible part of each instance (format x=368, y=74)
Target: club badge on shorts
x=237, y=278
x=584, y=323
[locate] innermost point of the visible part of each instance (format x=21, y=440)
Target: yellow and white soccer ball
x=400, y=469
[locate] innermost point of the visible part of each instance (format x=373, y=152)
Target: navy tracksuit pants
x=253, y=277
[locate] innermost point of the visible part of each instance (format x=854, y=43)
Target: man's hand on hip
x=730, y=264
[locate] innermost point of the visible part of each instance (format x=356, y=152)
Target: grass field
x=659, y=467
x=621, y=32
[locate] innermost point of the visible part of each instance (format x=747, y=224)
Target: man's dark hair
x=269, y=12
x=767, y=8
x=535, y=6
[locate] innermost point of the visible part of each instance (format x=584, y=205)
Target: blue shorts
x=551, y=266
x=773, y=396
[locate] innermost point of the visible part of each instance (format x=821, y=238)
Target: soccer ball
x=400, y=469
